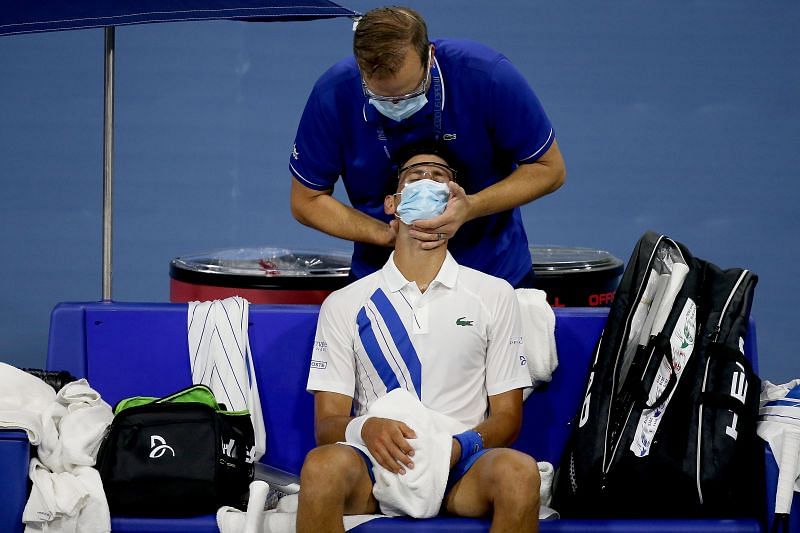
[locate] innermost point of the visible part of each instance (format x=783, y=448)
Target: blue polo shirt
x=491, y=121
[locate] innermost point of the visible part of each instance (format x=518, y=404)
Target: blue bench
x=128, y=349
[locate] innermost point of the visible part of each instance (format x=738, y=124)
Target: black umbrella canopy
x=34, y=16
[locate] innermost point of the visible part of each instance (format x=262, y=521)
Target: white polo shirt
x=452, y=346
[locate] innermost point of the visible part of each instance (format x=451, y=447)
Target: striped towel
x=219, y=352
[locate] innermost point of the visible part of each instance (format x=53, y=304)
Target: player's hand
x=386, y=441
x=435, y=232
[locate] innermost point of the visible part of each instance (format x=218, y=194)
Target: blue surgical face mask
x=402, y=109
x=422, y=200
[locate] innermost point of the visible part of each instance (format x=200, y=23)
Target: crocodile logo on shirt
x=461, y=322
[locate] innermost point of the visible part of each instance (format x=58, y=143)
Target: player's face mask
x=422, y=199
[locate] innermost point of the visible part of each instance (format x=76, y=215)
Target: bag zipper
x=717, y=330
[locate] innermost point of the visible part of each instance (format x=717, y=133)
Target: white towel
x=219, y=354
x=417, y=493
x=66, y=502
x=67, y=493
x=74, y=426
x=538, y=334
x=779, y=425
x=23, y=400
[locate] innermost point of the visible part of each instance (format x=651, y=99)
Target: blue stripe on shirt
x=374, y=352
x=400, y=338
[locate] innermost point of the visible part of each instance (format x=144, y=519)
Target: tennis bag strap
x=180, y=455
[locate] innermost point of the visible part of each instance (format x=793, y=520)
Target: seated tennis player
x=448, y=334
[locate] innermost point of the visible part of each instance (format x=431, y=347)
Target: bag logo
x=158, y=447
x=739, y=392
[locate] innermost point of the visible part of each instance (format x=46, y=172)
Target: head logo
x=158, y=447
x=462, y=322
x=687, y=337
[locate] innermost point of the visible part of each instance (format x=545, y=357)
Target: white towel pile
x=68, y=426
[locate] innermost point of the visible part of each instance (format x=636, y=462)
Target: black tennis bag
x=180, y=455
x=667, y=425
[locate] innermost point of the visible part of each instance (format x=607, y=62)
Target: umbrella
x=32, y=16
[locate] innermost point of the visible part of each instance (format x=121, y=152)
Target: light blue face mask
x=402, y=109
x=422, y=199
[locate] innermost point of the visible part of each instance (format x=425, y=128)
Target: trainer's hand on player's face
x=386, y=441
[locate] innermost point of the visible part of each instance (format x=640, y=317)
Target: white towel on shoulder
x=538, y=335
x=219, y=354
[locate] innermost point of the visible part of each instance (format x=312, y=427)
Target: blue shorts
x=456, y=473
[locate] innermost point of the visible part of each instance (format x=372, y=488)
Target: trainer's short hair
x=382, y=37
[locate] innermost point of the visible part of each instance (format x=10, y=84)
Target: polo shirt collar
x=372, y=115
x=447, y=275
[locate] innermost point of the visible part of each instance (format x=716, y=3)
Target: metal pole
x=108, y=159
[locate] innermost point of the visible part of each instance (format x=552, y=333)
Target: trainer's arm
x=320, y=210
x=527, y=183
x=503, y=424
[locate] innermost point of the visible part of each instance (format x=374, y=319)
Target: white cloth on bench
x=282, y=519
x=779, y=425
x=538, y=335
x=67, y=493
x=23, y=399
x=219, y=354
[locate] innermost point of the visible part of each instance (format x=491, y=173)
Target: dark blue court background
x=680, y=117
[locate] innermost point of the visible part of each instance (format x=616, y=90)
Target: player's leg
x=502, y=483
x=335, y=480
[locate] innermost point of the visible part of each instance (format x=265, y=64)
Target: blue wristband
x=471, y=443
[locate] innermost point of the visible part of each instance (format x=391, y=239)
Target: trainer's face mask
x=401, y=107
x=425, y=191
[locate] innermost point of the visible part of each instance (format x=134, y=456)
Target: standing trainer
x=401, y=89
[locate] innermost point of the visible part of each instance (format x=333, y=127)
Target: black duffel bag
x=181, y=455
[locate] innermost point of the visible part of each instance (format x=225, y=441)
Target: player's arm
x=501, y=427
x=331, y=416
x=386, y=439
